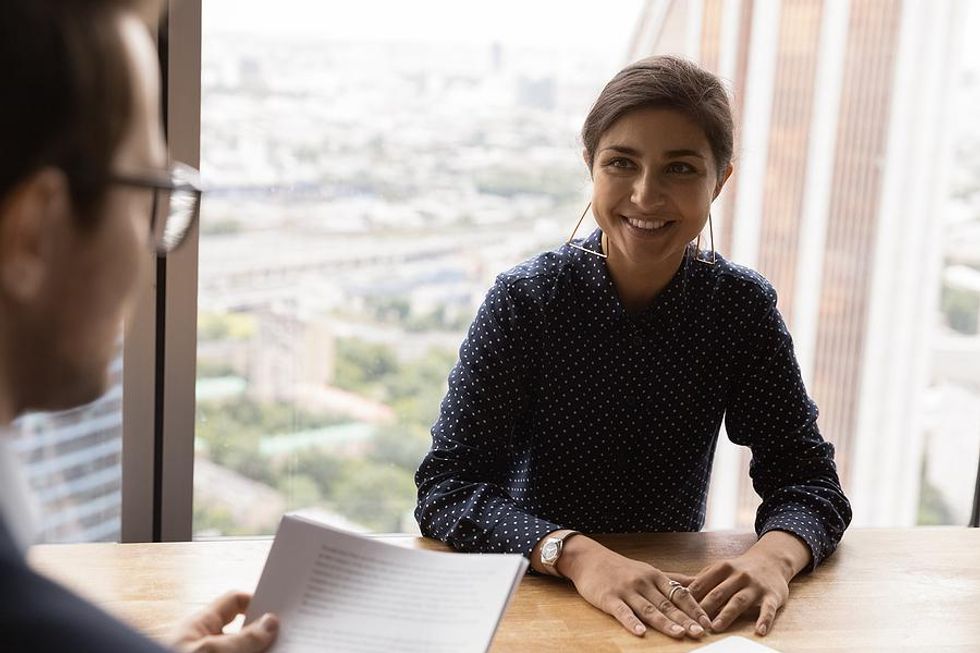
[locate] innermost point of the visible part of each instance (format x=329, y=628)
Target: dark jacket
x=40, y=616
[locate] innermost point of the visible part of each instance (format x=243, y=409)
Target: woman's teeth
x=644, y=224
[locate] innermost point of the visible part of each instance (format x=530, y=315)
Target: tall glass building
x=842, y=151
x=73, y=463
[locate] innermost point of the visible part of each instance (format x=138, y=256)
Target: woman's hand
x=202, y=633
x=633, y=592
x=759, y=577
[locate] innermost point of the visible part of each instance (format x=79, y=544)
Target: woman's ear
x=722, y=179
x=588, y=163
x=30, y=217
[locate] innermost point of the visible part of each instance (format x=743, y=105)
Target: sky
x=551, y=23
x=555, y=24
x=971, y=31
x=969, y=43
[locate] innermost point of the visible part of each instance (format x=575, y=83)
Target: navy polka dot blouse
x=566, y=411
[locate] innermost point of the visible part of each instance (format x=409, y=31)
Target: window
x=841, y=199
x=367, y=187
x=370, y=178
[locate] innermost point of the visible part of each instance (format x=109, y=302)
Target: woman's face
x=654, y=178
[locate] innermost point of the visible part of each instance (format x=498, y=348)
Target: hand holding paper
x=339, y=592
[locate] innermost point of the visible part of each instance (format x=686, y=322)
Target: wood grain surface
x=884, y=590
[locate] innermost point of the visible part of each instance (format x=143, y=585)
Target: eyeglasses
x=176, y=204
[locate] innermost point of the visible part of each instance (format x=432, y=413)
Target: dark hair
x=670, y=83
x=66, y=93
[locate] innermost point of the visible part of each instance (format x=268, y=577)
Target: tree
x=933, y=509
x=361, y=365
x=961, y=308
x=301, y=491
x=402, y=446
x=375, y=495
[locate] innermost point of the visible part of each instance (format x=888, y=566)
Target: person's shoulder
x=39, y=616
x=735, y=278
x=544, y=266
x=733, y=282
x=538, y=278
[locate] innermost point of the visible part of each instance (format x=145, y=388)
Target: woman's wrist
x=789, y=551
x=574, y=547
x=575, y=552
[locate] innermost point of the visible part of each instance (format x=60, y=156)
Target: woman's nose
x=647, y=194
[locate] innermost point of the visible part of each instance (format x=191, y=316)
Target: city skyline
x=334, y=158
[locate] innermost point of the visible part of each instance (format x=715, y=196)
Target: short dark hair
x=670, y=83
x=67, y=93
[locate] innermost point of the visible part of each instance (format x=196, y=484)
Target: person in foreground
x=592, y=385
x=85, y=185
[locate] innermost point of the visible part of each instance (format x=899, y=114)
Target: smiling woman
x=591, y=388
x=654, y=180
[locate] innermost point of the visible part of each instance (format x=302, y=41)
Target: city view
x=366, y=182
x=368, y=192
x=365, y=195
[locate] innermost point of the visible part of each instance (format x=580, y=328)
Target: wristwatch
x=551, y=550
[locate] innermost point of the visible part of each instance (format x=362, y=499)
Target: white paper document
x=736, y=644
x=343, y=593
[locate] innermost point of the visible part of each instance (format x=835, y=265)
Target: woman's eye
x=619, y=163
x=680, y=168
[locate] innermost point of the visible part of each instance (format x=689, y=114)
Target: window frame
x=160, y=349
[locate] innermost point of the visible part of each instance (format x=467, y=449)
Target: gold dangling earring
x=697, y=245
x=575, y=230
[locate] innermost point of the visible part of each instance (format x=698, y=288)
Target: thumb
x=254, y=638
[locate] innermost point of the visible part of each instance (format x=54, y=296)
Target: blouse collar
x=596, y=275
x=18, y=510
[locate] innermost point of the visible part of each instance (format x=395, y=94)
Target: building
x=73, y=464
x=842, y=152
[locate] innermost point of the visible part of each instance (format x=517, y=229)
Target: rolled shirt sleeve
x=461, y=496
x=792, y=467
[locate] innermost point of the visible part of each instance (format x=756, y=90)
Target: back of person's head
x=66, y=90
x=80, y=106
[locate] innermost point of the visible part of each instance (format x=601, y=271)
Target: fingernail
x=696, y=629
x=706, y=623
x=270, y=623
x=677, y=630
x=762, y=630
x=639, y=629
x=716, y=624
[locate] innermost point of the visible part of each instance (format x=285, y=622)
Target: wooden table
x=884, y=590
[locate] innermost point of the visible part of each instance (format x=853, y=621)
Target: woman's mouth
x=648, y=227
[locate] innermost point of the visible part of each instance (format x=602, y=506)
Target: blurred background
x=373, y=167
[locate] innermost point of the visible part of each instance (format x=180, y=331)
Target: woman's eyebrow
x=631, y=151
x=622, y=149
x=675, y=153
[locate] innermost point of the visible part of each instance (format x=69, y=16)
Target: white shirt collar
x=17, y=503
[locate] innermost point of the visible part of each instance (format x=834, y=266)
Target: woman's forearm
x=790, y=552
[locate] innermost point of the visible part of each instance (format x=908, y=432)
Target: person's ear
x=588, y=164
x=722, y=179
x=30, y=216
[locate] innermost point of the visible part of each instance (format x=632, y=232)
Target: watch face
x=549, y=551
